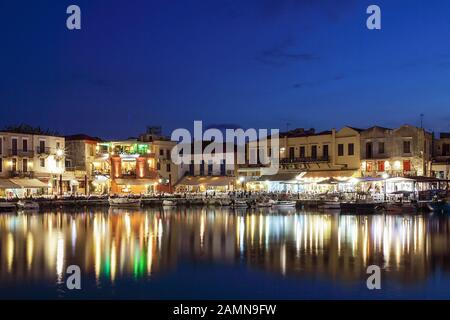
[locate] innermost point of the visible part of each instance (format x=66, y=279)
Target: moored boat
x=124, y=202
x=239, y=204
x=265, y=204
x=285, y=204
x=27, y=205
x=169, y=203
x=7, y=206
x=401, y=207
x=330, y=205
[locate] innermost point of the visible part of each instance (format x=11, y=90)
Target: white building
x=32, y=162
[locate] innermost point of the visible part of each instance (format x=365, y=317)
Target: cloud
x=304, y=84
x=283, y=54
x=223, y=126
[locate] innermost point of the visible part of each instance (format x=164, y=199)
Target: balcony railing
x=304, y=159
x=20, y=153
x=21, y=174
x=45, y=150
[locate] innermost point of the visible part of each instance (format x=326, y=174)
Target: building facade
x=81, y=152
x=441, y=156
x=34, y=162
x=405, y=151
x=306, y=157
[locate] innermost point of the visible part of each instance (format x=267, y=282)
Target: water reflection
x=119, y=244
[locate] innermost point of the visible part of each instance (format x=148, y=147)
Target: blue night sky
x=247, y=63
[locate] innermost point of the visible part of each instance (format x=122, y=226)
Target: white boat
x=124, y=202
x=225, y=202
x=239, y=204
x=285, y=204
x=27, y=205
x=169, y=203
x=330, y=205
x=7, y=206
x=265, y=204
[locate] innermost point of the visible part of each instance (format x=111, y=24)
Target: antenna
x=421, y=120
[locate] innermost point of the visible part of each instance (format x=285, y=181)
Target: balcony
x=44, y=150
x=305, y=160
x=20, y=153
x=21, y=174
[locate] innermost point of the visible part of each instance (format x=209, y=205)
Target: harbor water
x=221, y=253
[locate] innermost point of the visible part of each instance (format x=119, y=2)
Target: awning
x=135, y=182
x=207, y=181
x=329, y=174
x=280, y=177
x=8, y=184
x=29, y=183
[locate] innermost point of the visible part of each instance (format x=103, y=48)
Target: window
x=202, y=168
x=14, y=164
x=42, y=146
x=161, y=152
x=407, y=165
x=291, y=153
x=369, y=167
x=302, y=152
x=406, y=146
x=314, y=152
x=1, y=164
x=223, y=167
x=42, y=162
x=445, y=149
x=325, y=151
x=380, y=166
x=210, y=168
x=58, y=145
x=168, y=167
x=168, y=154
x=191, y=168
x=381, y=147
x=14, y=146
x=369, y=150
x=351, y=149
x=340, y=150
x=158, y=165
x=25, y=165
x=25, y=145
x=1, y=145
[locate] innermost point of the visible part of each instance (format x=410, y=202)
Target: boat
x=7, y=206
x=285, y=204
x=401, y=207
x=362, y=207
x=124, y=202
x=27, y=205
x=330, y=205
x=265, y=204
x=169, y=203
x=239, y=204
x=440, y=206
x=225, y=202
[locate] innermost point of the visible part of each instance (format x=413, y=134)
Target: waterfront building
x=217, y=174
x=405, y=151
x=80, y=158
x=32, y=162
x=441, y=156
x=307, y=158
x=137, y=165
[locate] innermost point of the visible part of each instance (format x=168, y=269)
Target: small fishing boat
x=27, y=205
x=239, y=204
x=225, y=202
x=169, y=203
x=266, y=203
x=7, y=206
x=124, y=202
x=401, y=207
x=330, y=205
x=285, y=204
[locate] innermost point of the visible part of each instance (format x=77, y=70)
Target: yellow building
x=307, y=158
